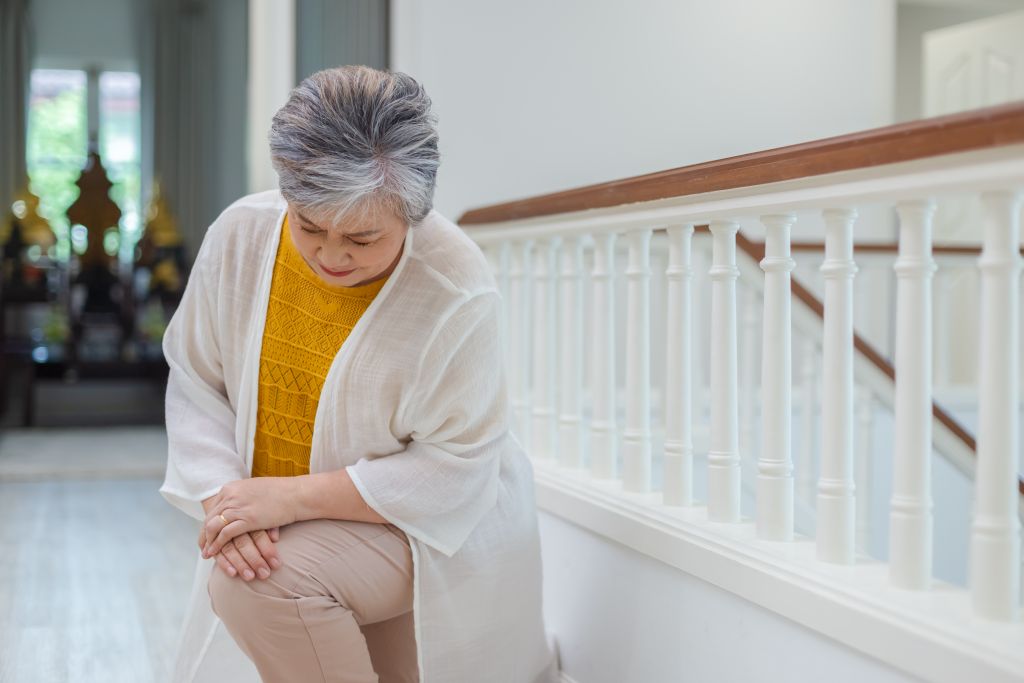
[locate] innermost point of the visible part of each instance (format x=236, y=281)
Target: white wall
x=75, y=35
x=537, y=96
x=913, y=20
x=272, y=64
x=621, y=617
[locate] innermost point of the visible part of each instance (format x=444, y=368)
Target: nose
x=335, y=258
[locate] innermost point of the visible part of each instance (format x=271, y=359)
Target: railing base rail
x=931, y=634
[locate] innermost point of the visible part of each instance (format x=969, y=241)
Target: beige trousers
x=338, y=609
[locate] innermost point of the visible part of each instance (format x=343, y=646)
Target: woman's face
x=353, y=253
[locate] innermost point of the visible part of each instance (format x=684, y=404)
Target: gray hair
x=354, y=139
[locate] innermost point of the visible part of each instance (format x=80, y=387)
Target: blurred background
x=126, y=126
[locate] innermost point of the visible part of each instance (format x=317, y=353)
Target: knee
x=224, y=591
x=234, y=600
x=232, y=597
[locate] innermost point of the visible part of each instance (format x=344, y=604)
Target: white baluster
x=570, y=420
x=864, y=465
x=942, y=327
x=723, y=456
x=678, y=477
x=775, y=467
x=835, y=505
x=603, y=428
x=636, y=438
x=910, y=537
x=519, y=328
x=702, y=331
x=751, y=349
x=544, y=429
x=995, y=533
x=806, y=474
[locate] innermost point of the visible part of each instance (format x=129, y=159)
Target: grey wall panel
x=194, y=70
x=228, y=115
x=338, y=32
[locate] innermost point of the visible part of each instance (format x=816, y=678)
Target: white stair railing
x=559, y=434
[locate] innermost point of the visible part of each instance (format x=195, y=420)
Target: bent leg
x=392, y=643
x=303, y=623
x=392, y=646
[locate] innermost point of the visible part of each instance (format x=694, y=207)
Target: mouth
x=336, y=273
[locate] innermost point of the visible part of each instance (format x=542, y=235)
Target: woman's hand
x=248, y=505
x=248, y=555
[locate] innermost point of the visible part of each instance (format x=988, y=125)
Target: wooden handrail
x=978, y=129
x=893, y=247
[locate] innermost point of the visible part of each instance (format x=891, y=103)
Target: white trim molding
x=271, y=79
x=929, y=634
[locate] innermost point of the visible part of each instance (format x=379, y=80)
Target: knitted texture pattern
x=307, y=322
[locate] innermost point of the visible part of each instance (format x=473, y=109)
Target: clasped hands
x=255, y=508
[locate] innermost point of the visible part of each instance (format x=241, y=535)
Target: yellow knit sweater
x=307, y=322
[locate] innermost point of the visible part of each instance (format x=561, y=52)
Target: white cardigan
x=415, y=406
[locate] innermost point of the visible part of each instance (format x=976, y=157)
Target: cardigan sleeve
x=446, y=479
x=201, y=452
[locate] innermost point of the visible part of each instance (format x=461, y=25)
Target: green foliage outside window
x=56, y=152
x=57, y=145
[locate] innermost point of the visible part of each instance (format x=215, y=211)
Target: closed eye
x=322, y=232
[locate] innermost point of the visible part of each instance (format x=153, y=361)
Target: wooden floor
x=95, y=566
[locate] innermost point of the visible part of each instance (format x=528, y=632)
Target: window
x=57, y=145
x=119, y=149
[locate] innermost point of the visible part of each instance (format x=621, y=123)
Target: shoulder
x=253, y=212
x=444, y=252
x=246, y=227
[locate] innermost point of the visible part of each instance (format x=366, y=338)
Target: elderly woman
x=338, y=419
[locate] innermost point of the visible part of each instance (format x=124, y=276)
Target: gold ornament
x=35, y=230
x=161, y=227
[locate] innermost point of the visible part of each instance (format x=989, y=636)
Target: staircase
x=659, y=417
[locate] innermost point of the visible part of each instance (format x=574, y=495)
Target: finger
x=230, y=531
x=212, y=524
x=275, y=534
x=247, y=547
x=215, y=520
x=266, y=547
x=244, y=570
x=202, y=537
x=208, y=531
x=225, y=565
